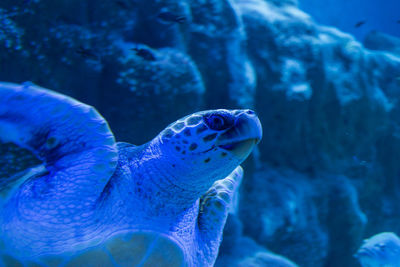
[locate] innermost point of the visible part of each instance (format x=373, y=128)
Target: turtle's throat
x=165, y=177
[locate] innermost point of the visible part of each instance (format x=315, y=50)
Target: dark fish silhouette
x=122, y=4
x=125, y=5
x=144, y=53
x=67, y=20
x=398, y=21
x=169, y=17
x=86, y=53
x=359, y=24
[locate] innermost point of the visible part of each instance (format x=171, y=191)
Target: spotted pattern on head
x=211, y=138
x=191, y=135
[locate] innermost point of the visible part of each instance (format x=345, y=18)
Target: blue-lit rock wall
x=326, y=174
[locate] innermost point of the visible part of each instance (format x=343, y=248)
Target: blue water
x=381, y=16
x=323, y=77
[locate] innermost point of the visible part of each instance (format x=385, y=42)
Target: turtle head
x=380, y=250
x=208, y=145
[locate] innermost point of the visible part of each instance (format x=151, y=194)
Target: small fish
x=66, y=20
x=169, y=17
x=86, y=53
x=359, y=24
x=359, y=161
x=144, y=53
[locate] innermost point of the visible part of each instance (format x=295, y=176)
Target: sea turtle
x=381, y=250
x=95, y=202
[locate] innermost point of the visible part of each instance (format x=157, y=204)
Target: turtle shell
x=141, y=248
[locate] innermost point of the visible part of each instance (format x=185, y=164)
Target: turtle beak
x=363, y=252
x=243, y=136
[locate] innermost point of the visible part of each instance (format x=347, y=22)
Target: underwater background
x=323, y=77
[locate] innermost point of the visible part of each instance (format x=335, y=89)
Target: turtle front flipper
x=214, y=208
x=72, y=140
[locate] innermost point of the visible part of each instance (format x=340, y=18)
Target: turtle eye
x=217, y=122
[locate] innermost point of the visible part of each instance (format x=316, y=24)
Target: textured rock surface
x=135, y=91
x=326, y=174
x=284, y=216
x=265, y=259
x=217, y=44
x=92, y=55
x=329, y=105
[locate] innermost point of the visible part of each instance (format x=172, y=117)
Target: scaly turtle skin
x=95, y=202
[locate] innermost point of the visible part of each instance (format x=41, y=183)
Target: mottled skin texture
x=381, y=250
x=97, y=202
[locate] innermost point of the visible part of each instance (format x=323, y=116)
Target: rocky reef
x=326, y=173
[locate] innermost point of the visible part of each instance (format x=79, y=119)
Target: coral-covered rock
x=239, y=250
x=329, y=106
x=338, y=206
x=265, y=259
x=217, y=45
x=103, y=55
x=140, y=85
x=283, y=216
x=313, y=84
